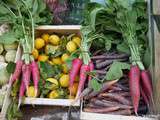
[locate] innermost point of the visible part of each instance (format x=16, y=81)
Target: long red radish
x=17, y=71
x=21, y=93
x=91, y=68
x=35, y=75
x=146, y=83
x=83, y=76
x=76, y=65
x=134, y=85
x=26, y=75
x=144, y=97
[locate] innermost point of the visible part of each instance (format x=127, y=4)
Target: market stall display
x=101, y=66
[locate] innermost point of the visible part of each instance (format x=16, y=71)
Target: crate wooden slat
x=95, y=116
x=52, y=102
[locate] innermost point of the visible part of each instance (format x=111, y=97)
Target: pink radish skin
x=26, y=75
x=91, y=68
x=76, y=65
x=17, y=71
x=82, y=80
x=144, y=97
x=146, y=83
x=134, y=84
x=35, y=75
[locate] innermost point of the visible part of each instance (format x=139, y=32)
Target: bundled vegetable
x=22, y=20
x=122, y=25
x=111, y=101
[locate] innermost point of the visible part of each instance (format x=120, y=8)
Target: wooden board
x=155, y=45
x=45, y=101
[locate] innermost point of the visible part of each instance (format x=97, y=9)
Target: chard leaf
x=95, y=84
x=116, y=70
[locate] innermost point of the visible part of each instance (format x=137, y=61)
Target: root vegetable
x=17, y=71
x=116, y=97
x=21, y=93
x=105, y=87
x=101, y=72
x=83, y=76
x=134, y=84
x=91, y=68
x=108, y=62
x=146, y=83
x=85, y=92
x=144, y=97
x=76, y=65
x=117, y=56
x=35, y=75
x=26, y=75
x=121, y=112
x=101, y=110
x=106, y=103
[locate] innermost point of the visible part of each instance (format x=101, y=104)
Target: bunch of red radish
x=26, y=70
x=78, y=68
x=140, y=84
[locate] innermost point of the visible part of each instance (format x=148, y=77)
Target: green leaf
x=108, y=44
x=11, y=67
x=147, y=58
x=47, y=70
x=93, y=15
x=8, y=38
x=3, y=10
x=95, y=85
x=116, y=70
x=123, y=47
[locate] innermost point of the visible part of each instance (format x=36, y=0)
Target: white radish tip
x=19, y=102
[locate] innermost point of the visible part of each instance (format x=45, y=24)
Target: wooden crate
x=61, y=30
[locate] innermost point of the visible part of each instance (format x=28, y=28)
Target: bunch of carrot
x=113, y=98
x=78, y=68
x=26, y=70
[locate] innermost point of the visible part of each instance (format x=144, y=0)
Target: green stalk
x=26, y=53
x=32, y=22
x=9, y=9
